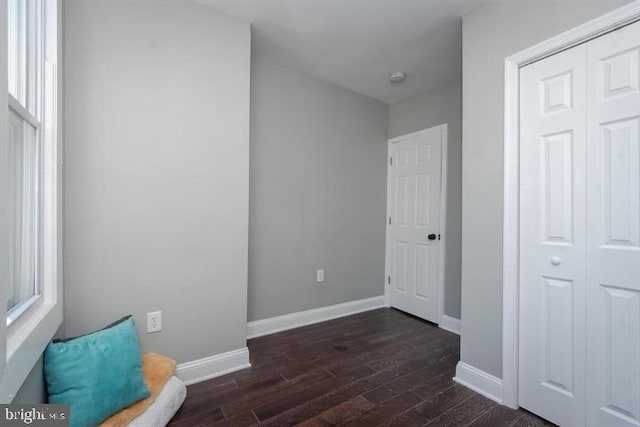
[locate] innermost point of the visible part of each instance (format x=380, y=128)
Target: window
x=30, y=291
x=24, y=71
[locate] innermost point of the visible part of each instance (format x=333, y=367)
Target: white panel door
x=552, y=237
x=413, y=230
x=580, y=233
x=613, y=229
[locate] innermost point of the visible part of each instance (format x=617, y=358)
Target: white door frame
x=443, y=213
x=511, y=227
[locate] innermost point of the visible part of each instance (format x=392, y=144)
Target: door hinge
x=389, y=220
x=390, y=161
x=388, y=280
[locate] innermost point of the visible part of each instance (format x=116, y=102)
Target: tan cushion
x=156, y=370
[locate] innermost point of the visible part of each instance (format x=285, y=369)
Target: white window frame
x=32, y=112
x=23, y=341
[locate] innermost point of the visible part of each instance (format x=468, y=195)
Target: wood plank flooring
x=382, y=367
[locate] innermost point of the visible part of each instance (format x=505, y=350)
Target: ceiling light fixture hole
x=397, y=77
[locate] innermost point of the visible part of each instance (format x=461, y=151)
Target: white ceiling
x=356, y=44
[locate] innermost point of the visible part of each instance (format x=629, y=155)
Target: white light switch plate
x=319, y=276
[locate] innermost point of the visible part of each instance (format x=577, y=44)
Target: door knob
x=555, y=260
x=431, y=237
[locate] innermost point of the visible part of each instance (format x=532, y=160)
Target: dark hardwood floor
x=382, y=367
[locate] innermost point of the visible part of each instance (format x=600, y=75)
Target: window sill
x=27, y=339
x=21, y=309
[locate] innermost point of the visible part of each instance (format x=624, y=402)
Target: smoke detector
x=397, y=77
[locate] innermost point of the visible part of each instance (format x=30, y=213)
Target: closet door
x=552, y=237
x=613, y=229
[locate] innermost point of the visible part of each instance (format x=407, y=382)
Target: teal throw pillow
x=97, y=374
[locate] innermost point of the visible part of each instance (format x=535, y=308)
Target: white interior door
x=414, y=225
x=552, y=237
x=613, y=229
x=579, y=336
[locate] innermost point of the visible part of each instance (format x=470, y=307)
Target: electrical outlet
x=319, y=276
x=154, y=322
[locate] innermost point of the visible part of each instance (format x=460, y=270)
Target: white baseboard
x=479, y=381
x=450, y=324
x=308, y=317
x=213, y=366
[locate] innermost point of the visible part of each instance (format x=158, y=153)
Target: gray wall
x=33, y=389
x=318, y=173
x=489, y=35
x=157, y=172
x=442, y=105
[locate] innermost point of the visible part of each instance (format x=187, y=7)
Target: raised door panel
x=402, y=200
x=558, y=187
x=621, y=388
x=423, y=258
x=558, y=324
x=621, y=182
x=400, y=264
x=423, y=200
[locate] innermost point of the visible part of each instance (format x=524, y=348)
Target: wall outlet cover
x=154, y=321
